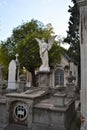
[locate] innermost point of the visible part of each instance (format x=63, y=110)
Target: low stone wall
x=48, y=117
x=3, y=114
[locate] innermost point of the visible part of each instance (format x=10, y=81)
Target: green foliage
x=27, y=47
x=55, y=55
x=7, y=52
x=73, y=35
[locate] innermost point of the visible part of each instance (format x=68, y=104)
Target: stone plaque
x=20, y=111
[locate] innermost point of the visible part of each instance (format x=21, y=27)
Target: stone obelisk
x=82, y=4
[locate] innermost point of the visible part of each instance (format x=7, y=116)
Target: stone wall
x=3, y=114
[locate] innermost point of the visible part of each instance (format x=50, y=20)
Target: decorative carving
x=20, y=111
x=44, y=48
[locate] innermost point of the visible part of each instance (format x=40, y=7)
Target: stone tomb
x=38, y=109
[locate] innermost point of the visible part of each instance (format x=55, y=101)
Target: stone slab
x=28, y=94
x=36, y=126
x=50, y=104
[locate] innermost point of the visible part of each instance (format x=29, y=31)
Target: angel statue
x=44, y=47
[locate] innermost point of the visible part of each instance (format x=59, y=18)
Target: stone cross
x=16, y=57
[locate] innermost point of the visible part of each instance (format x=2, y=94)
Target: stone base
x=16, y=127
x=35, y=109
x=11, y=90
x=44, y=69
x=12, y=85
x=46, y=127
x=44, y=79
x=47, y=116
x=59, y=99
x=70, y=90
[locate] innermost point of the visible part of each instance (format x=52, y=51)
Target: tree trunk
x=33, y=77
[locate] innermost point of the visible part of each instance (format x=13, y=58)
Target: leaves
x=73, y=33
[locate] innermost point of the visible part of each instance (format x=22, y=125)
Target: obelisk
x=82, y=4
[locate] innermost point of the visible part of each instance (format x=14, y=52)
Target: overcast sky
x=14, y=12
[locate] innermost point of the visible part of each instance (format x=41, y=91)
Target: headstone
x=83, y=44
x=12, y=75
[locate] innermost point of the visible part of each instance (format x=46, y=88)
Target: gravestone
x=12, y=75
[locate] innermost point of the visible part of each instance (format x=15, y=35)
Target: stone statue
x=70, y=77
x=44, y=48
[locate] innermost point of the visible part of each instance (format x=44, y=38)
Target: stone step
x=16, y=127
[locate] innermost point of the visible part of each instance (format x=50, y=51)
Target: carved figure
x=44, y=48
x=70, y=78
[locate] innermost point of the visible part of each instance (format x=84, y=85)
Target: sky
x=15, y=12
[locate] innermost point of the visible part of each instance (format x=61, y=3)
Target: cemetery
x=53, y=104
x=43, y=107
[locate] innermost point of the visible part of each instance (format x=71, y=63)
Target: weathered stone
x=59, y=99
x=70, y=89
x=44, y=79
x=83, y=44
x=12, y=75
x=36, y=111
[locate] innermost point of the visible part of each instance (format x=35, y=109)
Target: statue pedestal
x=70, y=90
x=44, y=69
x=44, y=79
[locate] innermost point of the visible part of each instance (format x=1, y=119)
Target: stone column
x=83, y=46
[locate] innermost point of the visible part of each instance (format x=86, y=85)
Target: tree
x=23, y=42
x=73, y=34
x=7, y=52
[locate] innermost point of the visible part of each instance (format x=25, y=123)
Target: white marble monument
x=12, y=75
x=82, y=4
x=44, y=48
